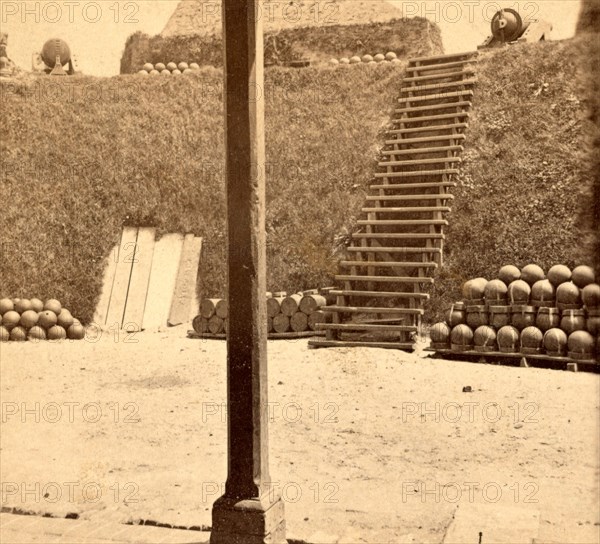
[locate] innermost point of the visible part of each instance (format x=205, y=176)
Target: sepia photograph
x=299, y=272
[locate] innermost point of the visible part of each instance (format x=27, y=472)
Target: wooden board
x=140, y=277
x=184, y=294
x=163, y=275
x=118, y=297
x=107, y=285
x=270, y=336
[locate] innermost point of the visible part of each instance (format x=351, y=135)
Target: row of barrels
x=294, y=313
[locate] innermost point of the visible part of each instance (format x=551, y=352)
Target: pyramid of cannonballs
x=379, y=58
x=24, y=319
x=168, y=69
x=526, y=312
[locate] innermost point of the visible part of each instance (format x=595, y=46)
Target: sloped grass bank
x=525, y=191
x=81, y=157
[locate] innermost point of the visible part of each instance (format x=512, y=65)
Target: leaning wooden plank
x=184, y=294
x=163, y=275
x=140, y=279
x=125, y=260
x=107, y=285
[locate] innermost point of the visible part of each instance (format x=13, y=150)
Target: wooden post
x=249, y=512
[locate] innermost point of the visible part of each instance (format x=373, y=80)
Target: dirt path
x=138, y=430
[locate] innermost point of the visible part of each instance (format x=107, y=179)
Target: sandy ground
x=376, y=445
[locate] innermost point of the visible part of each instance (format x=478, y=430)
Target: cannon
x=54, y=57
x=508, y=27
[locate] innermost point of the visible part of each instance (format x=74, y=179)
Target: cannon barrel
x=507, y=25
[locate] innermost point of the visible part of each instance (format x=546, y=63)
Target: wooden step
x=427, y=118
x=402, y=222
x=407, y=209
x=425, y=150
x=404, y=250
x=382, y=279
x=445, y=196
x=458, y=73
x=400, y=235
x=419, y=162
x=372, y=310
x=388, y=264
x=439, y=86
x=445, y=66
x=428, y=128
x=365, y=327
x=426, y=139
x=359, y=344
x=433, y=107
x=416, y=173
x=445, y=56
x=375, y=294
x=436, y=96
x=424, y=185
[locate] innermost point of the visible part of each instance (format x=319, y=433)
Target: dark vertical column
x=249, y=512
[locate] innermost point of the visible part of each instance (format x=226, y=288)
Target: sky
x=96, y=31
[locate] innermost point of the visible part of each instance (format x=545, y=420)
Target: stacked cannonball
x=24, y=319
x=526, y=311
x=367, y=59
x=298, y=312
x=168, y=69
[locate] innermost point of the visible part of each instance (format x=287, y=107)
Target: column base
x=250, y=521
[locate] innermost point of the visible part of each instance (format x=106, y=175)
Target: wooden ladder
x=400, y=244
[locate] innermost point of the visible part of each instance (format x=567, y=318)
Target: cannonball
x=183, y=66
x=29, y=318
x=390, y=55
x=532, y=337
x=462, y=335
x=366, y=58
x=532, y=273
x=148, y=67
x=76, y=331
x=396, y=61
x=568, y=293
x=379, y=57
x=508, y=337
x=47, y=319
x=558, y=274
x=495, y=290
x=6, y=305
x=509, y=273
x=56, y=333
x=36, y=305
x=334, y=62
x=355, y=59
x=579, y=342
x=154, y=72
x=542, y=290
x=187, y=71
x=159, y=66
x=142, y=73
x=165, y=72
x=10, y=320
x=440, y=333
x=18, y=334
x=583, y=275
x=555, y=340
x=194, y=66
x=475, y=288
x=15, y=300
x=519, y=291
x=53, y=305
x=23, y=305
x=176, y=72
x=171, y=66
x=64, y=319
x=344, y=60
x=36, y=333
x=4, y=334
x=484, y=336
x=590, y=295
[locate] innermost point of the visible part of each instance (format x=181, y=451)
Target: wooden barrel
x=572, y=320
x=484, y=338
x=269, y=324
x=311, y=303
x=280, y=294
x=208, y=307
x=215, y=324
x=499, y=316
x=522, y=316
x=547, y=318
x=581, y=345
x=456, y=314
x=477, y=316
x=221, y=309
x=532, y=340
x=568, y=296
x=508, y=339
x=274, y=306
x=289, y=305
x=461, y=338
x=200, y=324
x=281, y=323
x=590, y=295
x=440, y=334
x=310, y=292
x=496, y=293
x=593, y=322
x=518, y=292
x=555, y=342
x=299, y=322
x=543, y=294
x=318, y=317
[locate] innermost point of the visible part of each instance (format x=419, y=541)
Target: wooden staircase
x=400, y=243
